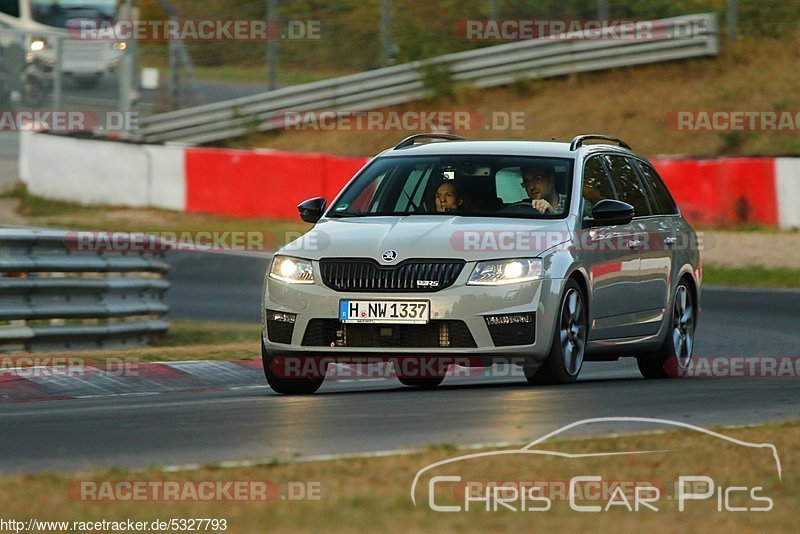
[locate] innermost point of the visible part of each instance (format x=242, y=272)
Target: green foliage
x=437, y=80
x=350, y=29
x=731, y=141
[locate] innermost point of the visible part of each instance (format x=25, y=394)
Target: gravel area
x=743, y=249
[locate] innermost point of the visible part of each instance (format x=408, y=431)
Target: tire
x=288, y=386
x=672, y=360
x=564, y=363
x=426, y=372
x=422, y=383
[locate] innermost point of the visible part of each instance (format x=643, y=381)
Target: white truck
x=36, y=25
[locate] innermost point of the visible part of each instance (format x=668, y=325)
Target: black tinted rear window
x=662, y=200
x=627, y=183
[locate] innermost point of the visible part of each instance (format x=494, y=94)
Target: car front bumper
x=468, y=304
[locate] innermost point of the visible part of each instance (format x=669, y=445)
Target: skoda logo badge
x=389, y=256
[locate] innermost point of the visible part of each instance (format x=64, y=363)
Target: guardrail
x=481, y=68
x=54, y=297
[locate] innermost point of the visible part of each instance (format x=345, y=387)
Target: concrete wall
x=265, y=183
x=787, y=186
x=103, y=172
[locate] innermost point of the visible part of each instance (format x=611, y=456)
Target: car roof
x=547, y=149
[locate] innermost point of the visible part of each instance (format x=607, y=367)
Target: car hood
x=428, y=236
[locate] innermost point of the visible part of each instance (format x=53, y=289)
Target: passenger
x=540, y=183
x=448, y=198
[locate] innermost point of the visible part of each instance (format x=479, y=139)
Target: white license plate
x=385, y=311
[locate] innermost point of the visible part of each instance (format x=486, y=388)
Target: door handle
x=670, y=240
x=633, y=244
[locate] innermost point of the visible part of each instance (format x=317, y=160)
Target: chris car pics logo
x=461, y=484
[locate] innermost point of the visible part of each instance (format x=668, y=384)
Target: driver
x=540, y=183
x=448, y=198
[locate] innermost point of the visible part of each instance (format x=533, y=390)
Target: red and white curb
x=36, y=384
x=61, y=383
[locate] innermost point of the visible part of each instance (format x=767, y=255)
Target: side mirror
x=311, y=210
x=609, y=213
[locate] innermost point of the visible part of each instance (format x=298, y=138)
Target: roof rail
x=578, y=141
x=411, y=141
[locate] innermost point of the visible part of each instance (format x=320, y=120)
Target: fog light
x=520, y=318
x=281, y=317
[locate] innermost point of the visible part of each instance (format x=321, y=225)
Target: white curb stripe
x=787, y=189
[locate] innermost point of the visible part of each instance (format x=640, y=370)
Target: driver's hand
x=542, y=206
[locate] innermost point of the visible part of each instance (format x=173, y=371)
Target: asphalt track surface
x=251, y=423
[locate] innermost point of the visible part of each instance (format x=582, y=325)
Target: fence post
x=58, y=77
x=733, y=21
x=603, y=10
x=272, y=45
x=386, y=33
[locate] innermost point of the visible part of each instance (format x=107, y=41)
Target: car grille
x=361, y=275
x=436, y=334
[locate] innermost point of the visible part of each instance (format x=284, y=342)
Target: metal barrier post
x=58, y=77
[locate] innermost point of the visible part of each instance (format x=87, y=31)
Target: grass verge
x=37, y=211
x=374, y=493
x=754, y=276
x=186, y=340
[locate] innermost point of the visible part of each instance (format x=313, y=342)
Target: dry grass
x=630, y=103
x=36, y=211
x=744, y=249
x=361, y=494
x=186, y=340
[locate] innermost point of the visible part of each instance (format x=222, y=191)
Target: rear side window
x=662, y=201
x=596, y=185
x=627, y=183
x=509, y=185
x=10, y=7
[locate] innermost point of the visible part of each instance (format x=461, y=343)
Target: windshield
x=58, y=13
x=479, y=186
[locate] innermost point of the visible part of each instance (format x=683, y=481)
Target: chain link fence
x=49, y=70
x=335, y=39
x=355, y=36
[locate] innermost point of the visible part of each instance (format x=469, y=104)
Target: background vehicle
x=44, y=22
x=614, y=274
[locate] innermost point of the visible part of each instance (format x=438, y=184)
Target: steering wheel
x=518, y=207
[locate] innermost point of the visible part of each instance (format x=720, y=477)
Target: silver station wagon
x=443, y=251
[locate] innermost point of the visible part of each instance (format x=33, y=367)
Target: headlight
x=120, y=46
x=37, y=45
x=498, y=273
x=292, y=270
